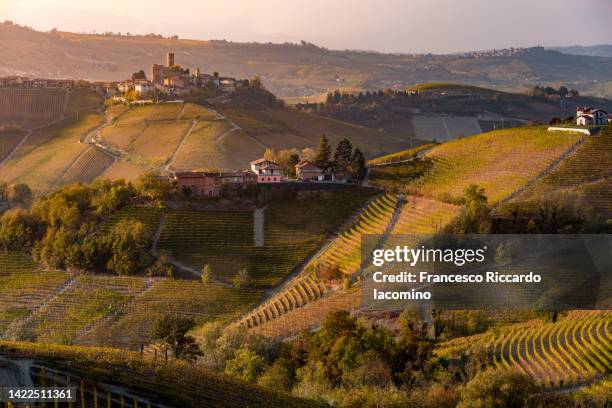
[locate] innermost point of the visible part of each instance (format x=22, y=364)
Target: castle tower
x=170, y=59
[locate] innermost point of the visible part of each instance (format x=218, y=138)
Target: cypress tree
x=343, y=155
x=323, y=156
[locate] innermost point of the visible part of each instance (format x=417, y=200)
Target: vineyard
x=177, y=383
x=84, y=301
x=400, y=156
x=158, y=141
x=344, y=252
x=586, y=173
x=423, y=216
x=500, y=161
x=30, y=108
x=48, y=152
x=569, y=352
x=8, y=142
x=203, y=302
x=23, y=287
x=199, y=148
x=90, y=164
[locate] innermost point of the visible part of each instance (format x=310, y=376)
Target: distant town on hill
x=297, y=72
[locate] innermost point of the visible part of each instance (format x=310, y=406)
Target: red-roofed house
x=199, y=183
x=306, y=171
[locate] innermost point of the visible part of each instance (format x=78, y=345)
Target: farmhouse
x=587, y=115
x=198, y=183
x=267, y=171
x=209, y=184
x=306, y=171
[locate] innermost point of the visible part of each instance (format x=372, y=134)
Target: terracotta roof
x=306, y=163
x=262, y=160
x=271, y=166
x=194, y=174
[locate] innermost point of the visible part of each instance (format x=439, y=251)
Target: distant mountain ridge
x=293, y=70
x=602, y=50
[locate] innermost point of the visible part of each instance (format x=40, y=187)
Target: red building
x=306, y=171
x=199, y=183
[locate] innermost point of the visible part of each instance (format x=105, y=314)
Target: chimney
x=170, y=59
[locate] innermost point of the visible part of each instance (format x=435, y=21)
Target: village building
x=307, y=171
x=198, y=183
x=210, y=184
x=586, y=116
x=144, y=88
x=267, y=171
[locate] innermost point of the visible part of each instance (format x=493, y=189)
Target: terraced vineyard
x=90, y=164
x=166, y=111
x=571, y=351
x=345, y=251
x=586, y=173
x=123, y=170
x=500, y=161
x=423, y=216
x=203, y=302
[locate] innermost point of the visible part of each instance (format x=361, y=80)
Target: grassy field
x=500, y=161
x=48, y=152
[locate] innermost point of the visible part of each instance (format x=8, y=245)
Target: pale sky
x=436, y=26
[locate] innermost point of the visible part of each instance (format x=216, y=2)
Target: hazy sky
x=385, y=25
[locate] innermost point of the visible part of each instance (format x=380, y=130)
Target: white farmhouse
x=267, y=171
x=587, y=115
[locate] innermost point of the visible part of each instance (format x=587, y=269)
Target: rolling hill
x=292, y=70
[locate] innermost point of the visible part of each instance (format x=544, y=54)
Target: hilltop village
x=165, y=81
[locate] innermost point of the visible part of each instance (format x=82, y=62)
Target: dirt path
x=258, y=226
x=194, y=122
